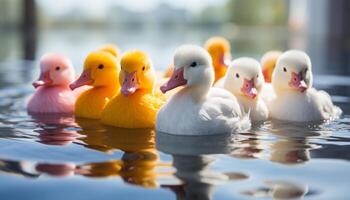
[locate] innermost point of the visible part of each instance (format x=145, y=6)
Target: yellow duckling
x=101, y=71
x=137, y=104
x=268, y=62
x=220, y=51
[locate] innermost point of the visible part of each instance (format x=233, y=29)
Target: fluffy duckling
x=53, y=94
x=295, y=99
x=220, y=51
x=245, y=80
x=268, y=63
x=137, y=104
x=101, y=70
x=198, y=109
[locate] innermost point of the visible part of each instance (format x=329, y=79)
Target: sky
x=97, y=8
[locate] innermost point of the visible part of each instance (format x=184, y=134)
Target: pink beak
x=177, y=79
x=297, y=82
x=44, y=79
x=130, y=84
x=249, y=89
x=84, y=79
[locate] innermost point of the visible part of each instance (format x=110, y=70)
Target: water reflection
x=56, y=129
x=192, y=158
x=279, y=190
x=139, y=160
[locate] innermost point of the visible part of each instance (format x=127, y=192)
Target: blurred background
x=29, y=28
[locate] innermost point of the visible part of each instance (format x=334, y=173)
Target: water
x=58, y=157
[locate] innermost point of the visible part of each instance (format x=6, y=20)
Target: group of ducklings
x=213, y=94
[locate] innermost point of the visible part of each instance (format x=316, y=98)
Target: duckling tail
x=110, y=48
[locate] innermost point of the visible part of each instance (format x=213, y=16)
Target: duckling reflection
x=279, y=190
x=192, y=159
x=292, y=144
x=16, y=168
x=138, y=163
x=56, y=129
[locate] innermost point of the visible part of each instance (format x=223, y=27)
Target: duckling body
x=91, y=103
x=137, y=104
x=101, y=70
x=53, y=94
x=245, y=80
x=295, y=99
x=198, y=109
x=137, y=110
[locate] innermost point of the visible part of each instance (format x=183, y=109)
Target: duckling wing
x=325, y=104
x=224, y=110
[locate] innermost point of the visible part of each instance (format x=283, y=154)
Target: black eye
x=284, y=69
x=237, y=75
x=257, y=76
x=57, y=68
x=101, y=66
x=143, y=68
x=305, y=70
x=194, y=64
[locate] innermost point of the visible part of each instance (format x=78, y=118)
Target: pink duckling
x=53, y=94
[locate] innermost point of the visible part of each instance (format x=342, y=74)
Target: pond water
x=59, y=157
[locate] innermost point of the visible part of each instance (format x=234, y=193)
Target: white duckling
x=295, y=99
x=245, y=80
x=198, y=109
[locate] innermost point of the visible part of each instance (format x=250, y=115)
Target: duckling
x=137, y=103
x=198, y=109
x=295, y=99
x=101, y=69
x=53, y=94
x=245, y=80
x=268, y=63
x=220, y=51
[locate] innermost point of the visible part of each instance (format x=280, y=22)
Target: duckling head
x=192, y=69
x=137, y=73
x=101, y=69
x=55, y=69
x=220, y=51
x=244, y=78
x=292, y=72
x=268, y=63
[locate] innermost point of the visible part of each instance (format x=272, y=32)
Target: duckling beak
x=297, y=82
x=177, y=79
x=84, y=79
x=44, y=79
x=130, y=84
x=249, y=88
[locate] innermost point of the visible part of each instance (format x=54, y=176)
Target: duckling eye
x=143, y=68
x=237, y=75
x=100, y=66
x=284, y=69
x=57, y=68
x=194, y=64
